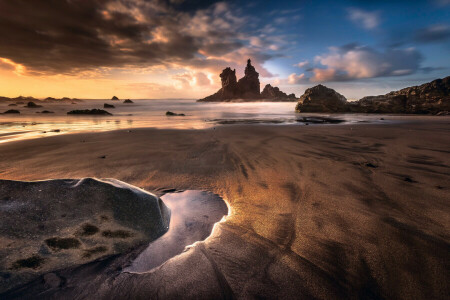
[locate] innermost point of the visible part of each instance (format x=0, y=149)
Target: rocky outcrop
x=128, y=101
x=273, y=93
x=321, y=99
x=114, y=98
x=106, y=105
x=55, y=224
x=429, y=98
x=246, y=89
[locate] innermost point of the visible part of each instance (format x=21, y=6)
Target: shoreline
x=314, y=210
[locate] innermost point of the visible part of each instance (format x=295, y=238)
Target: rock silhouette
x=247, y=88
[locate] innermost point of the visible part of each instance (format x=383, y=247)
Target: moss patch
x=120, y=234
x=32, y=262
x=62, y=243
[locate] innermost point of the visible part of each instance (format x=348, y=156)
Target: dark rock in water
x=31, y=104
x=12, y=111
x=12, y=104
x=106, y=105
x=46, y=112
x=247, y=88
x=128, y=101
x=321, y=99
x=169, y=113
x=56, y=224
x=89, y=112
x=273, y=93
x=319, y=120
x=114, y=98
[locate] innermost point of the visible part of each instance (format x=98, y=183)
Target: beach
x=356, y=210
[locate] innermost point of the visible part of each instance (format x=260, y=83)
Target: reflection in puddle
x=193, y=215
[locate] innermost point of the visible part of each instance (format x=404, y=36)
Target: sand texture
x=326, y=211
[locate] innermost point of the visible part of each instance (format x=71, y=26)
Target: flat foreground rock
x=55, y=224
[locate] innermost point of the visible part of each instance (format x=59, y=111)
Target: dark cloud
x=67, y=36
x=436, y=33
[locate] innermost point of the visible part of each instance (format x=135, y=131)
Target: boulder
x=128, y=101
x=274, y=94
x=89, y=112
x=106, y=105
x=321, y=99
x=55, y=224
x=114, y=98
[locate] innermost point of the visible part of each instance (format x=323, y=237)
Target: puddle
x=193, y=215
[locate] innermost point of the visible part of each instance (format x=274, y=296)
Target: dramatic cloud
x=356, y=62
x=368, y=20
x=67, y=37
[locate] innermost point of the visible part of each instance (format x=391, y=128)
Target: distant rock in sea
x=12, y=111
x=31, y=104
x=321, y=99
x=106, y=105
x=114, y=98
x=169, y=113
x=89, y=112
x=45, y=112
x=55, y=224
x=273, y=93
x=246, y=89
x=12, y=104
x=429, y=98
x=128, y=101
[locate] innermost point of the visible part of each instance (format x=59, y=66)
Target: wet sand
x=326, y=211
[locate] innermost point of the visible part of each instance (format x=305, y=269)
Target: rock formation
x=429, y=98
x=106, y=105
x=321, y=99
x=273, y=93
x=247, y=88
x=54, y=224
x=432, y=97
x=128, y=101
x=114, y=98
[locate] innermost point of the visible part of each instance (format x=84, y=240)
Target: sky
x=177, y=48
